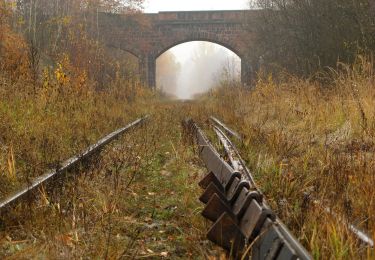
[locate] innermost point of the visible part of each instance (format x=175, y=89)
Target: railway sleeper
x=221, y=170
x=271, y=244
x=243, y=223
x=216, y=206
x=229, y=193
x=235, y=234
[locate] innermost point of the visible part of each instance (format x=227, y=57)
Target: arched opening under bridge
x=191, y=68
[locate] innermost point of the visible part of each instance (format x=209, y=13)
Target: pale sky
x=153, y=6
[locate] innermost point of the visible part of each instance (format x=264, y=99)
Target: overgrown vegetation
x=307, y=142
x=306, y=36
x=139, y=199
x=48, y=113
x=58, y=95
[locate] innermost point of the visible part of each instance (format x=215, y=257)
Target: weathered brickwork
x=147, y=36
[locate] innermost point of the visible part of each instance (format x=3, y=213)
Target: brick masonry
x=147, y=36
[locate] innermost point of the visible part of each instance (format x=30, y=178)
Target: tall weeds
x=303, y=138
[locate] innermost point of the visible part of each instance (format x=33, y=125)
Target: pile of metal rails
x=243, y=223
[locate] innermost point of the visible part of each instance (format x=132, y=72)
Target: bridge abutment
x=147, y=67
x=247, y=72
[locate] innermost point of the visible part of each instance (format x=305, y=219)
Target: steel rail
x=234, y=156
x=228, y=146
x=226, y=128
x=68, y=164
x=361, y=235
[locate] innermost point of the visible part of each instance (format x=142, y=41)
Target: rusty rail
x=234, y=156
x=243, y=223
x=226, y=128
x=361, y=235
x=67, y=165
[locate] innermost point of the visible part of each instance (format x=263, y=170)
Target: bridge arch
x=150, y=63
x=147, y=36
x=165, y=47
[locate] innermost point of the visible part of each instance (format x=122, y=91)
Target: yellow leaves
x=60, y=72
x=70, y=77
x=61, y=77
x=82, y=79
x=13, y=56
x=46, y=78
x=66, y=20
x=9, y=4
x=21, y=21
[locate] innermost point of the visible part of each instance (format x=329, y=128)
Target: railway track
x=360, y=235
x=69, y=164
x=244, y=224
x=239, y=226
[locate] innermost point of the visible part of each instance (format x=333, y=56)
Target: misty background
x=193, y=68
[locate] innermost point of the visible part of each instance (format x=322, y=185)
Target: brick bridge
x=147, y=36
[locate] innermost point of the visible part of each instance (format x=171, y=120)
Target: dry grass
x=138, y=200
x=40, y=128
x=304, y=141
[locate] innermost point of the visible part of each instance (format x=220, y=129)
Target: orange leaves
x=4, y=11
x=66, y=239
x=13, y=56
x=61, y=76
x=13, y=48
x=66, y=20
x=69, y=78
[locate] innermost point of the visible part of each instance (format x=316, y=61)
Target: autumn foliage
x=13, y=48
x=59, y=90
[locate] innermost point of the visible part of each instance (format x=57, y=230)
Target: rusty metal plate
x=243, y=201
x=234, y=192
x=210, y=177
x=268, y=243
x=214, y=163
x=233, y=187
x=287, y=252
x=215, y=208
x=223, y=172
x=253, y=219
x=224, y=232
x=211, y=190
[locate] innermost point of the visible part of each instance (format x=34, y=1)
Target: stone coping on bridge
x=199, y=16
